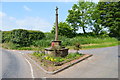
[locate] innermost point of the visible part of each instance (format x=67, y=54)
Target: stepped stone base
x=56, y=49
x=61, y=52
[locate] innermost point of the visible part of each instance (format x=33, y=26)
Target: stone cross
x=56, y=28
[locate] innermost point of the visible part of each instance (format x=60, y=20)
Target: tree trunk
x=84, y=30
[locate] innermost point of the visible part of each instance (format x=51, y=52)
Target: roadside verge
x=61, y=69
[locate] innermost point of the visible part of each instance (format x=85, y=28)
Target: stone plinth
x=56, y=43
x=57, y=52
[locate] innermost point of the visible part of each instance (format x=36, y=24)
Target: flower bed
x=51, y=63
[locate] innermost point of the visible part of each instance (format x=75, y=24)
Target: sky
x=32, y=15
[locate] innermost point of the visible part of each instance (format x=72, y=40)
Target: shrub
x=42, y=43
x=10, y=45
x=35, y=35
x=20, y=36
x=49, y=36
x=6, y=36
x=25, y=37
x=77, y=47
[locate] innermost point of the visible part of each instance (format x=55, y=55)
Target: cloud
x=34, y=23
x=6, y=22
x=26, y=8
x=29, y=23
x=12, y=18
x=2, y=14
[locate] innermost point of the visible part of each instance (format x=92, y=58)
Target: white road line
x=30, y=68
x=21, y=52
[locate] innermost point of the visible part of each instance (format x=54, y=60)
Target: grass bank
x=87, y=42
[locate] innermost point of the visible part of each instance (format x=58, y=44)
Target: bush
x=10, y=45
x=49, y=36
x=42, y=43
x=35, y=35
x=20, y=36
x=6, y=36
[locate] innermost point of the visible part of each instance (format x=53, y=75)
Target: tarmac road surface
x=103, y=64
x=14, y=65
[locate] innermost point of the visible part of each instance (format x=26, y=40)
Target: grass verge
x=91, y=46
x=84, y=46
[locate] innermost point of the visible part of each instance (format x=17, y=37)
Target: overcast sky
x=32, y=15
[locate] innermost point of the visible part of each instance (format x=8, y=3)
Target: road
x=14, y=65
x=103, y=64
x=119, y=62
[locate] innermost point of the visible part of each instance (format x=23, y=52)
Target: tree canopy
x=110, y=16
x=80, y=15
x=64, y=29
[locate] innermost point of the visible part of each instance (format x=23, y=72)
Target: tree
x=110, y=16
x=80, y=15
x=64, y=30
x=96, y=28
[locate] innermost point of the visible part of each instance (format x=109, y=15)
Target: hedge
x=6, y=36
x=35, y=35
x=21, y=36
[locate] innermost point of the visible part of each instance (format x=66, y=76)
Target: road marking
x=21, y=52
x=30, y=68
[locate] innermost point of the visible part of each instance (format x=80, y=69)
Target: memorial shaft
x=56, y=29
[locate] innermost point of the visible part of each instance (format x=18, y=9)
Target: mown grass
x=101, y=45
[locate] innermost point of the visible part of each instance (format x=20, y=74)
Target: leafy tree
x=64, y=30
x=80, y=15
x=110, y=16
x=97, y=28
